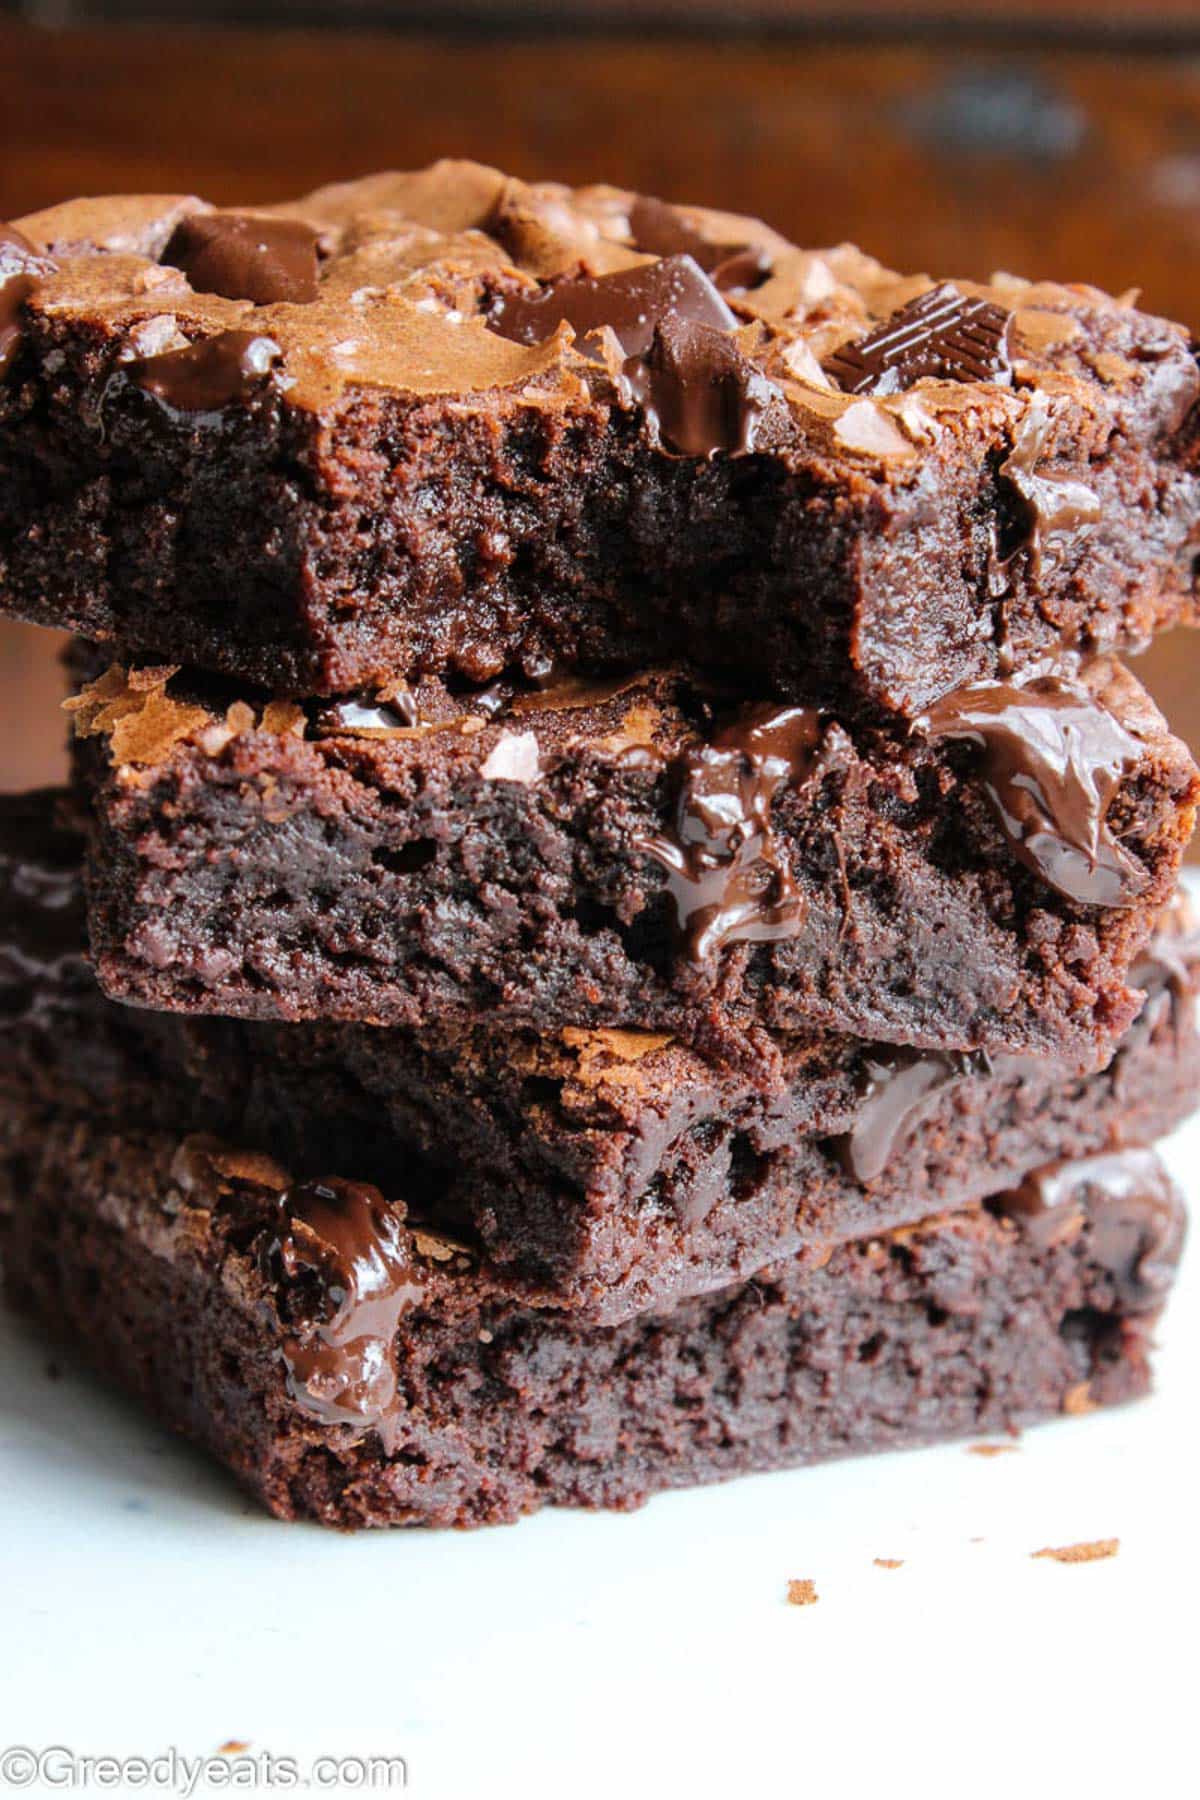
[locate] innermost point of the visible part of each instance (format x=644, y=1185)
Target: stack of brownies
x=615, y=921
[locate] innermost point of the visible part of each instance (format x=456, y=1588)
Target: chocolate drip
x=1051, y=503
x=244, y=258
x=631, y=303
x=725, y=875
x=346, y=1254
x=1128, y=1204
x=699, y=392
x=659, y=230
x=20, y=265
x=898, y=1085
x=365, y=715
x=209, y=375
x=943, y=334
x=1053, y=758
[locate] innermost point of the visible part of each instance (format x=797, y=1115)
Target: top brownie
x=447, y=423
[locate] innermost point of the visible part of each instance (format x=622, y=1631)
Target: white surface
x=146, y=1604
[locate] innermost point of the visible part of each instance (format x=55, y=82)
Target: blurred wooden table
x=1074, y=163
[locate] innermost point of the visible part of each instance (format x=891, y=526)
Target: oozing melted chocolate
x=943, y=334
x=20, y=265
x=727, y=881
x=699, y=393
x=370, y=716
x=209, y=375
x=1130, y=1207
x=898, y=1085
x=347, y=1252
x=1052, y=504
x=631, y=303
x=1053, y=758
x=244, y=258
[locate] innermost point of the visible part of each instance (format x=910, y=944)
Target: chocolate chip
x=700, y=394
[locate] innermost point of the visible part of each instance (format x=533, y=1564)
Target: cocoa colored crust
x=354, y=1371
x=610, y=1171
x=631, y=858
x=449, y=423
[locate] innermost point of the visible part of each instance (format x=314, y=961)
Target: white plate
x=147, y=1605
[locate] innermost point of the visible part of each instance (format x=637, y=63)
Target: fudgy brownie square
x=352, y=1369
x=605, y=1171
x=645, y=855
x=451, y=423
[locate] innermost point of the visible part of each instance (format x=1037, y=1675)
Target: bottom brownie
x=355, y=1371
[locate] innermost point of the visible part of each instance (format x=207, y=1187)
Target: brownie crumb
x=889, y=1562
x=1078, y=1399
x=1096, y=1551
x=991, y=1449
x=802, y=1593
x=233, y=1746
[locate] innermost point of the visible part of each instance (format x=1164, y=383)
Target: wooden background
x=952, y=154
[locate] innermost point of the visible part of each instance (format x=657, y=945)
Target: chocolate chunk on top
x=945, y=335
x=246, y=258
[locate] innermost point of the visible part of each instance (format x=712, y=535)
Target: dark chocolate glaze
x=659, y=230
x=1051, y=503
x=897, y=1085
x=725, y=875
x=363, y=712
x=632, y=303
x=1130, y=1207
x=344, y=1254
x=20, y=265
x=699, y=393
x=244, y=258
x=209, y=375
x=1053, y=759
x=944, y=333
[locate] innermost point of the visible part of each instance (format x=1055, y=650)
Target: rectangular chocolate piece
x=650, y=858
x=446, y=423
x=604, y=1171
x=352, y=1370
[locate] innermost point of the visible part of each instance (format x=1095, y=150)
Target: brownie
x=354, y=1370
x=451, y=423
x=644, y=854
x=606, y=1171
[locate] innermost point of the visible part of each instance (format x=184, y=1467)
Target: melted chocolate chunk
x=632, y=303
x=1129, y=1205
x=1053, y=759
x=345, y=1253
x=700, y=394
x=20, y=265
x=898, y=1084
x=370, y=717
x=725, y=876
x=243, y=258
x=1166, y=970
x=944, y=334
x=209, y=375
x=659, y=230
x=1051, y=504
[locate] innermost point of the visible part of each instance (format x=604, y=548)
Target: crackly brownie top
x=457, y=280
